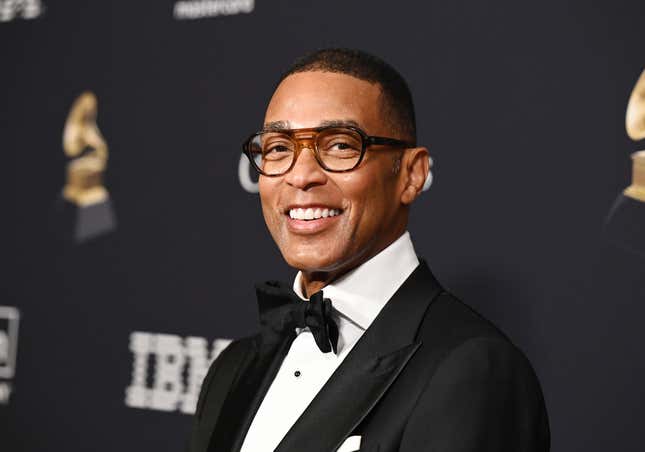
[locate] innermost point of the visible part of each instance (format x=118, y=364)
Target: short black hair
x=396, y=98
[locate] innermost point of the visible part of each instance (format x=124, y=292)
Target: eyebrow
x=276, y=126
x=339, y=123
x=285, y=125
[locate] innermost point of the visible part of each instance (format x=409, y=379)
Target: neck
x=315, y=280
x=312, y=282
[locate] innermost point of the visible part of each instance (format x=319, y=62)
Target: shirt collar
x=361, y=293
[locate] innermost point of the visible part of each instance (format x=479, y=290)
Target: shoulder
x=478, y=389
x=233, y=354
x=221, y=376
x=464, y=344
x=225, y=367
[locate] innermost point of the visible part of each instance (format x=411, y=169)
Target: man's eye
x=342, y=148
x=276, y=149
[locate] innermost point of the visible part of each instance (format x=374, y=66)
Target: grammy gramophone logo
x=84, y=191
x=625, y=223
x=635, y=125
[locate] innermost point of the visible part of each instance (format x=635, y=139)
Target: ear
x=414, y=172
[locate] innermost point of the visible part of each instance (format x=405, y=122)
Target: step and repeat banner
x=131, y=230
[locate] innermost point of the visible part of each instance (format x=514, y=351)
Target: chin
x=311, y=259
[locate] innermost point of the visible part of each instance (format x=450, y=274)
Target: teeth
x=312, y=214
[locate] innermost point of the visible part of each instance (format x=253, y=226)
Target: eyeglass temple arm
x=389, y=142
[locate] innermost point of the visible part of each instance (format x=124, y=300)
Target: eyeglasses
x=336, y=149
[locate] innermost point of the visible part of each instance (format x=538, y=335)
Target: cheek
x=372, y=200
x=264, y=187
x=268, y=194
x=363, y=203
x=373, y=185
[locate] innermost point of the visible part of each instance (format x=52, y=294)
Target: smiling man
x=367, y=351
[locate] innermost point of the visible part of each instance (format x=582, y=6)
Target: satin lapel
x=368, y=370
x=244, y=400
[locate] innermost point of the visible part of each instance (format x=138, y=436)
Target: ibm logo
x=168, y=370
x=9, y=318
x=23, y=9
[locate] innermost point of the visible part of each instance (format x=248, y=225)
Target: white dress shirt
x=357, y=298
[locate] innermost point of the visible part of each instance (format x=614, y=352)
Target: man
x=380, y=358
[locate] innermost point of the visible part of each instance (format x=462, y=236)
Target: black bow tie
x=282, y=311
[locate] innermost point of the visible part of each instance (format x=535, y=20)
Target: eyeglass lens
x=338, y=149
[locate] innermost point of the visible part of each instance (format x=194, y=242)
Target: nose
x=306, y=171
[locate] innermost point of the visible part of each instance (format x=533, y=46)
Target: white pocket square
x=351, y=444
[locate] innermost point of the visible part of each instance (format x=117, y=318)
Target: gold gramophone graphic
x=635, y=125
x=84, y=184
x=84, y=189
x=625, y=224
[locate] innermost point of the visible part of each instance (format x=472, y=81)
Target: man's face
x=367, y=199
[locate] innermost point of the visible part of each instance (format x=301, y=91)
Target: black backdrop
x=521, y=104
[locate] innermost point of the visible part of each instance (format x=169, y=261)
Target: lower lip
x=310, y=226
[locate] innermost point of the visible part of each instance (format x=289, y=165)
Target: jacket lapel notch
x=393, y=361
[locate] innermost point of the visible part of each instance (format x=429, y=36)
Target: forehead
x=310, y=99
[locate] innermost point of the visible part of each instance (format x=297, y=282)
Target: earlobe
x=409, y=194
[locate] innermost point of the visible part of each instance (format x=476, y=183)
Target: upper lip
x=310, y=206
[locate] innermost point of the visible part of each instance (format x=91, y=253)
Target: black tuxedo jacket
x=429, y=374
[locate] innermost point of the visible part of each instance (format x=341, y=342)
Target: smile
x=312, y=213
x=312, y=219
